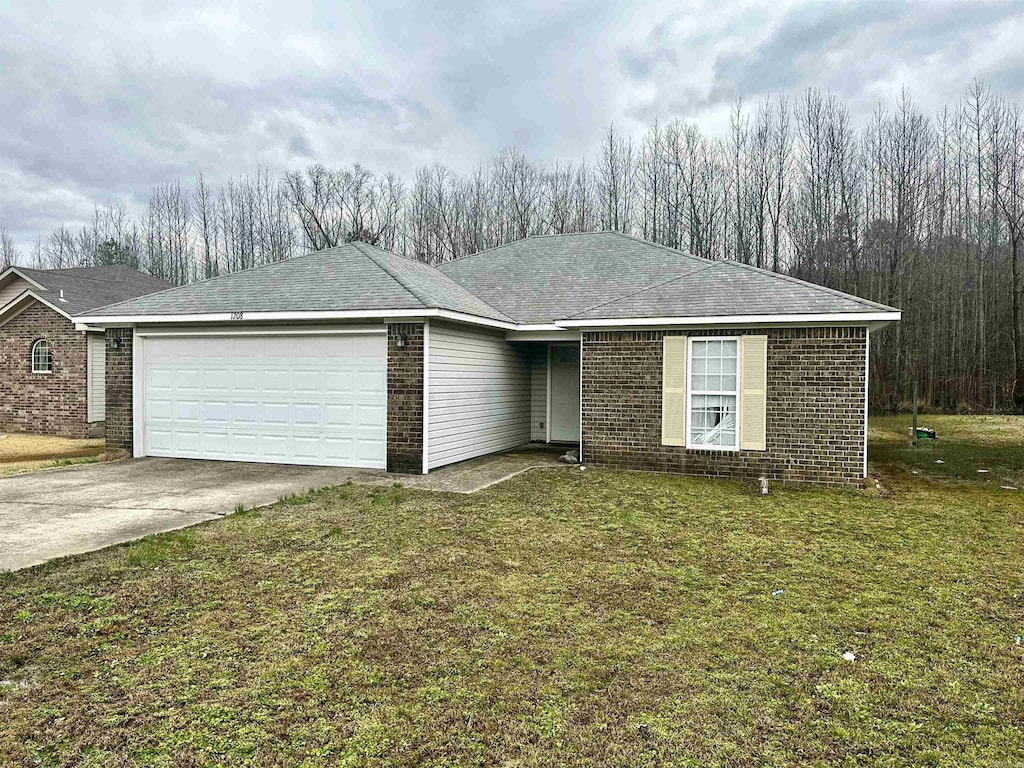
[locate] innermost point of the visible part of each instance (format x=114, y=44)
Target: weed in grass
x=154, y=551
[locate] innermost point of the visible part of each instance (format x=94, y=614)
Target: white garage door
x=316, y=399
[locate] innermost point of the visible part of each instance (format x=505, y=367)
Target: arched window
x=42, y=357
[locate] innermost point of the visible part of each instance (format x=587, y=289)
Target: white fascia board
x=357, y=314
x=32, y=294
x=555, y=333
x=848, y=318
x=15, y=271
x=291, y=330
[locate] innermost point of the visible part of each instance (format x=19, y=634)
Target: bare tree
x=9, y=254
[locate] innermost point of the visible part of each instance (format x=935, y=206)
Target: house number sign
x=236, y=315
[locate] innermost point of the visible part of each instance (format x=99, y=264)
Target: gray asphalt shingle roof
x=541, y=279
x=594, y=275
x=354, y=276
x=538, y=280
x=86, y=288
x=729, y=288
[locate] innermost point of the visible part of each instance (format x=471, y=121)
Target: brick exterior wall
x=119, y=389
x=44, y=403
x=815, y=407
x=405, y=399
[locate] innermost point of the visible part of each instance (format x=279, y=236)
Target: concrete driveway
x=52, y=514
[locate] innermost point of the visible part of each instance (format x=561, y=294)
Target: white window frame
x=32, y=356
x=689, y=393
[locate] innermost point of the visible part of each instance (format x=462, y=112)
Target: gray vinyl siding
x=12, y=290
x=539, y=392
x=478, y=394
x=97, y=375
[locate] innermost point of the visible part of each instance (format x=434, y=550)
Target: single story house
x=644, y=356
x=52, y=375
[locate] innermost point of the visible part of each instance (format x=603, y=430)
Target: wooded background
x=925, y=213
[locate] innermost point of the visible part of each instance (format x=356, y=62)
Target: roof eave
x=874, y=319
x=298, y=316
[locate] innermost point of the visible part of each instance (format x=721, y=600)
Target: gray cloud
x=101, y=103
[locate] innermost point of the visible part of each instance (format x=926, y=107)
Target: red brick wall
x=815, y=407
x=119, y=388
x=43, y=403
x=405, y=399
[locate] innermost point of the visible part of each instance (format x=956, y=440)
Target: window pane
x=700, y=365
x=728, y=383
x=729, y=349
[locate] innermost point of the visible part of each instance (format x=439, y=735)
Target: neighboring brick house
x=643, y=356
x=51, y=374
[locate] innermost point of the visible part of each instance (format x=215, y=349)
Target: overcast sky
x=100, y=101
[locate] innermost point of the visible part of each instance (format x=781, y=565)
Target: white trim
x=689, y=393
x=867, y=381
x=13, y=270
x=561, y=334
x=276, y=331
x=32, y=355
x=138, y=398
x=426, y=395
x=32, y=294
x=579, y=448
x=349, y=314
x=847, y=318
x=547, y=395
x=854, y=318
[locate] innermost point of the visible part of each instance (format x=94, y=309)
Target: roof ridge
x=662, y=246
x=710, y=265
x=394, y=275
x=487, y=250
x=635, y=239
x=358, y=244
x=807, y=284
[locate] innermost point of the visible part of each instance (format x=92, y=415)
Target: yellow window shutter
x=673, y=390
x=754, y=393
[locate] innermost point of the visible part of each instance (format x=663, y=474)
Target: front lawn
x=561, y=618
x=982, y=449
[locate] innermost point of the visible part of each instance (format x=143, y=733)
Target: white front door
x=310, y=399
x=565, y=393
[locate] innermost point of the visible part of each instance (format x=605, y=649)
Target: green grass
x=561, y=618
x=982, y=449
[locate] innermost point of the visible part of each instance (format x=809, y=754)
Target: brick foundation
x=44, y=403
x=119, y=388
x=815, y=407
x=405, y=399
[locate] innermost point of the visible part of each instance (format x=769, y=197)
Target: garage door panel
x=307, y=381
x=187, y=411
x=307, y=415
x=245, y=381
x=276, y=414
x=371, y=416
x=244, y=413
x=160, y=410
x=310, y=400
x=216, y=444
x=217, y=380
x=216, y=411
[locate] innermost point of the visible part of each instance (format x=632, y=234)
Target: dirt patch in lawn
x=25, y=453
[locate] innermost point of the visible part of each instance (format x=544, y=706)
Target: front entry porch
x=555, y=392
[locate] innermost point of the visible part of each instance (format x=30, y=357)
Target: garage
x=286, y=398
